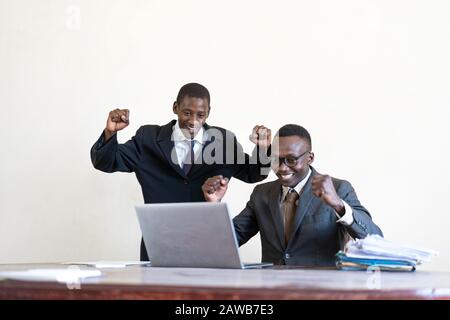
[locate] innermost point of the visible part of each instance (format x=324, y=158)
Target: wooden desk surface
x=279, y=283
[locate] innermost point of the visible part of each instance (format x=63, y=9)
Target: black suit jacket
x=149, y=155
x=316, y=237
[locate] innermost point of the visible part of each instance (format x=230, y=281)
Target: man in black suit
x=172, y=161
x=303, y=217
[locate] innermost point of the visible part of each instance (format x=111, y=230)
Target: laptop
x=194, y=234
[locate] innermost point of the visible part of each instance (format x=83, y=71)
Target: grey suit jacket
x=316, y=237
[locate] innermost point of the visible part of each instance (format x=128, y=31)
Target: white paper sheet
x=66, y=275
x=109, y=264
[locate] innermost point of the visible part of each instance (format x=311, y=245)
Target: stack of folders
x=377, y=253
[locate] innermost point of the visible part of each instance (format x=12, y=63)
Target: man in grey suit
x=303, y=217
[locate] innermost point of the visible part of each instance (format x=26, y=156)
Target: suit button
x=287, y=256
x=186, y=182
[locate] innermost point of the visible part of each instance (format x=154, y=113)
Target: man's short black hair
x=295, y=130
x=194, y=90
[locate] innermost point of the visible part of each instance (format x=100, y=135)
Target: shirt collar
x=177, y=134
x=298, y=188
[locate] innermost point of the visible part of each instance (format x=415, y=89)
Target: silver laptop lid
x=198, y=234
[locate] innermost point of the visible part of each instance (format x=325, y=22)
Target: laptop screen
x=197, y=234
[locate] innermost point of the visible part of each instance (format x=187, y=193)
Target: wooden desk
x=279, y=283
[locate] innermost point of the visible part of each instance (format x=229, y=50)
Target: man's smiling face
x=192, y=114
x=291, y=157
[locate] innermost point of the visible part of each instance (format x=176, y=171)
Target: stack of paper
x=377, y=252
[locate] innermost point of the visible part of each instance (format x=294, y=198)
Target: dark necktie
x=289, y=207
x=189, y=160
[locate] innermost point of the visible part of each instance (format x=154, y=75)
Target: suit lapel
x=305, y=201
x=274, y=204
x=167, y=146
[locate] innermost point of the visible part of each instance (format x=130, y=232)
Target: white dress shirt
x=183, y=144
x=346, y=219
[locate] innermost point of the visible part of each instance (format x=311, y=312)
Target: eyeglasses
x=289, y=161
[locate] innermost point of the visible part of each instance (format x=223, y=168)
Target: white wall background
x=369, y=79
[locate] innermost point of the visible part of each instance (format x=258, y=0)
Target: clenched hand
x=214, y=188
x=118, y=119
x=322, y=187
